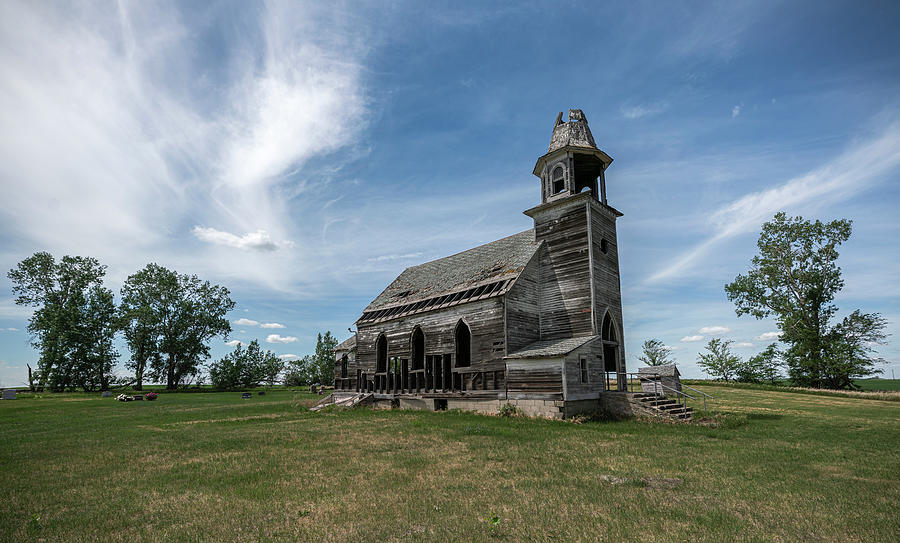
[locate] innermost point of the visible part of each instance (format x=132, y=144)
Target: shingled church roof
x=485, y=271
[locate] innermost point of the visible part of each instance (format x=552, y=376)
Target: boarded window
x=582, y=363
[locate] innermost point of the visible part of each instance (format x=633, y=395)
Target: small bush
x=509, y=410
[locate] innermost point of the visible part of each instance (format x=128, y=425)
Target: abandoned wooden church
x=534, y=319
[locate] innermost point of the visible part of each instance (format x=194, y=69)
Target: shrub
x=509, y=410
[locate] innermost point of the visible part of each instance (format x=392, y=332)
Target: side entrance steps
x=351, y=400
x=663, y=406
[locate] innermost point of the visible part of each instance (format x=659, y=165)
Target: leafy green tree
x=172, y=317
x=96, y=347
x=655, y=353
x=245, y=368
x=72, y=326
x=795, y=278
x=719, y=362
x=317, y=368
x=761, y=368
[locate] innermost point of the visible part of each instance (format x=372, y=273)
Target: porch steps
x=351, y=400
x=664, y=407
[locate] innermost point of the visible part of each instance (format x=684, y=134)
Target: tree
x=72, y=326
x=761, y=368
x=719, y=362
x=323, y=360
x=317, y=368
x=245, y=368
x=795, y=278
x=172, y=317
x=655, y=353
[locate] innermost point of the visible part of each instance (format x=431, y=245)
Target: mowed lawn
x=214, y=467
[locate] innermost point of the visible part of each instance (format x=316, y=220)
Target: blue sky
x=303, y=154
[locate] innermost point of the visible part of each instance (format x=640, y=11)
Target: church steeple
x=573, y=162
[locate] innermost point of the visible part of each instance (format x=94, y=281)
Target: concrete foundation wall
x=613, y=404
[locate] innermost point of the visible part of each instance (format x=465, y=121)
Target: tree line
x=794, y=278
x=167, y=320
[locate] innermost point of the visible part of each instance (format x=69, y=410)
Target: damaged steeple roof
x=575, y=132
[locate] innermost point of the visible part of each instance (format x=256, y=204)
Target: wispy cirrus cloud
x=125, y=109
x=643, y=110
x=853, y=171
x=715, y=330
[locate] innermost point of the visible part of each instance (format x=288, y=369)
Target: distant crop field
x=878, y=384
x=214, y=467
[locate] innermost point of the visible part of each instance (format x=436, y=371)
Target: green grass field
x=213, y=467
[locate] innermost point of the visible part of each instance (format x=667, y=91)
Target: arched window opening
x=604, y=246
x=463, y=345
x=417, y=349
x=610, y=344
x=381, y=354
x=558, y=183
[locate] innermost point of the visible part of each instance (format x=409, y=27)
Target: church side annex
x=533, y=319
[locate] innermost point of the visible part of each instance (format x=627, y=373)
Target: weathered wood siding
x=565, y=295
x=607, y=289
x=575, y=388
x=523, y=322
x=534, y=378
x=485, y=320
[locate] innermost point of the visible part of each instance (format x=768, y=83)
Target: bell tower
x=580, y=288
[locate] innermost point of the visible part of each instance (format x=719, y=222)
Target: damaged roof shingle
x=501, y=259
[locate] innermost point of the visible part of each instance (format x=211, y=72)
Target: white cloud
x=736, y=110
x=258, y=241
x=671, y=347
x=715, y=330
x=769, y=336
x=13, y=329
x=642, y=110
x=234, y=343
x=851, y=172
x=386, y=258
x=246, y=322
x=743, y=344
x=690, y=339
x=125, y=110
x=276, y=338
x=272, y=325
x=289, y=357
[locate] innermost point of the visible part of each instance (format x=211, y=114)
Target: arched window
x=417, y=349
x=381, y=354
x=463, y=345
x=558, y=183
x=610, y=344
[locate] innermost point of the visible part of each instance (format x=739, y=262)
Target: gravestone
x=262, y=392
x=9, y=394
x=106, y=394
x=138, y=397
x=313, y=389
x=246, y=395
